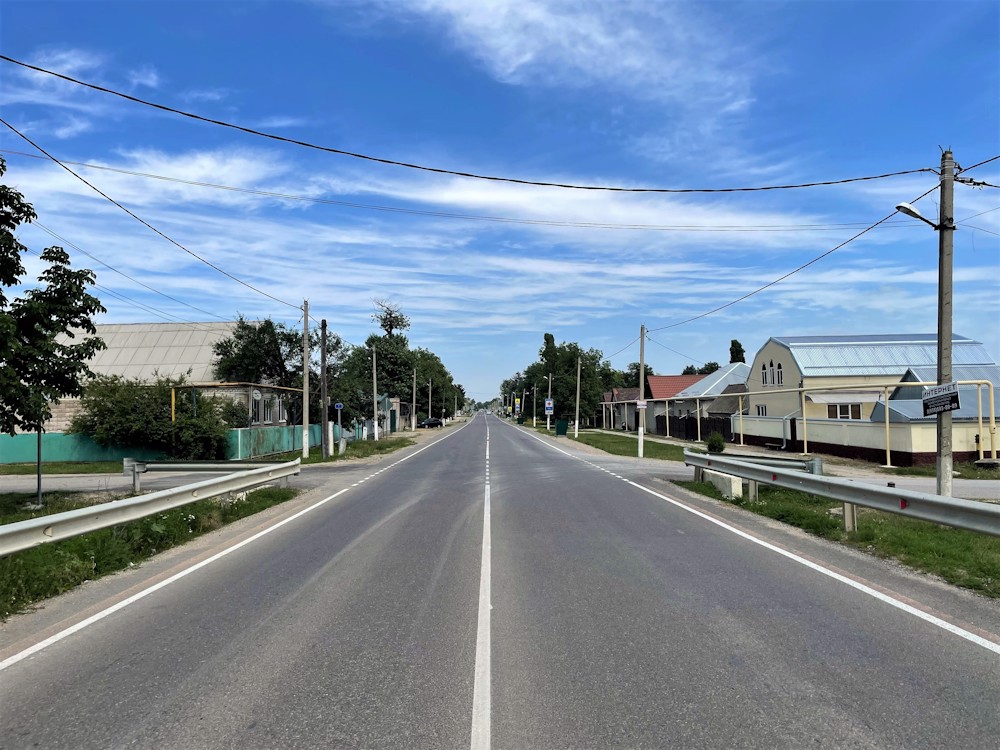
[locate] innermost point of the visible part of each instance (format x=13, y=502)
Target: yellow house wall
x=778, y=404
x=863, y=382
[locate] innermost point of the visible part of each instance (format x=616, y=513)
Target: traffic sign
x=640, y=404
x=941, y=398
x=550, y=406
x=338, y=405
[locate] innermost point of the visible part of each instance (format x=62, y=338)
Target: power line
x=976, y=183
x=439, y=170
x=120, y=273
x=475, y=217
x=790, y=273
x=965, y=169
x=981, y=213
x=980, y=229
x=630, y=343
x=664, y=346
x=145, y=223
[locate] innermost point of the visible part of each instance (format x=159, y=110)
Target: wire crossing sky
x=502, y=170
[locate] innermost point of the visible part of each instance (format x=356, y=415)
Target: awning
x=845, y=397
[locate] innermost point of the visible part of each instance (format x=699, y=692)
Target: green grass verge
x=50, y=569
x=962, y=470
x=962, y=558
x=64, y=467
x=620, y=445
x=355, y=449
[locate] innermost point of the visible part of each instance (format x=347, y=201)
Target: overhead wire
x=789, y=274
x=664, y=346
x=121, y=273
x=630, y=343
x=439, y=170
x=472, y=217
x=147, y=224
x=980, y=229
x=978, y=164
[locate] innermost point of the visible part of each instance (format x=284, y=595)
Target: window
x=781, y=375
x=763, y=374
x=772, y=372
x=761, y=410
x=843, y=411
x=268, y=403
x=255, y=411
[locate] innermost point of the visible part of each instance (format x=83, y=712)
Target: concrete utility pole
x=305, y=379
x=576, y=426
x=413, y=410
x=324, y=440
x=946, y=240
x=374, y=397
x=429, y=412
x=548, y=417
x=534, y=404
x=641, y=413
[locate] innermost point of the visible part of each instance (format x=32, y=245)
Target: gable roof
x=728, y=402
x=715, y=382
x=148, y=350
x=878, y=354
x=668, y=386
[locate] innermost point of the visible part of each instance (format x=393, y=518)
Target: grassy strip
x=620, y=445
x=355, y=449
x=50, y=569
x=962, y=470
x=64, y=467
x=962, y=558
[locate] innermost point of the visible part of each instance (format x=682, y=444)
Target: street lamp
x=946, y=240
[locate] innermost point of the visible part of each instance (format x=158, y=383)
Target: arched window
x=772, y=371
x=763, y=374
x=781, y=375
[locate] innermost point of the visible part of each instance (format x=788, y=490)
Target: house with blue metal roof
x=836, y=387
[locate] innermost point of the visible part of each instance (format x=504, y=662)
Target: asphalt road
x=607, y=610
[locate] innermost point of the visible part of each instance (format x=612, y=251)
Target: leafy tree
x=36, y=368
x=631, y=379
x=736, y=353
x=689, y=370
x=132, y=413
x=708, y=368
x=560, y=360
x=389, y=317
x=256, y=352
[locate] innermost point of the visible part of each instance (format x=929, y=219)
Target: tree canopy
x=38, y=369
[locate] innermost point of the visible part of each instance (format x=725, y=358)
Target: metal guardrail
x=809, y=465
x=133, y=468
x=972, y=515
x=22, y=535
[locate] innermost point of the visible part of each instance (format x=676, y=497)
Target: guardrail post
x=699, y=474
x=850, y=517
x=752, y=490
x=815, y=466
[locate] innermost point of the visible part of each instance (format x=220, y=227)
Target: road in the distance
x=617, y=620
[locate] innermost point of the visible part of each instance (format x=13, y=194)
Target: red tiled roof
x=668, y=386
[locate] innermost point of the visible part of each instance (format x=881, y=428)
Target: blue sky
x=631, y=94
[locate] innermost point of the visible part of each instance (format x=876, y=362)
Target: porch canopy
x=845, y=397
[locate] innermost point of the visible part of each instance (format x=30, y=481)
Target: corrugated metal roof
x=884, y=354
x=961, y=372
x=715, y=383
x=145, y=350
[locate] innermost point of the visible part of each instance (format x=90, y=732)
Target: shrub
x=715, y=443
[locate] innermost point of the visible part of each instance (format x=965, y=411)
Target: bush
x=715, y=443
x=131, y=413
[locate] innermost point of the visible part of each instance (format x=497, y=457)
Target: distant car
x=431, y=422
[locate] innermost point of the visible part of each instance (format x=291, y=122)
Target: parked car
x=431, y=422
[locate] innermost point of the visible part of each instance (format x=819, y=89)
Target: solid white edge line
x=481, y=687
x=874, y=593
x=77, y=627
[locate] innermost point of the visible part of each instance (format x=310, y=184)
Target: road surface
x=498, y=589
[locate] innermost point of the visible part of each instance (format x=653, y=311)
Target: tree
x=708, y=368
x=256, y=352
x=39, y=361
x=131, y=413
x=389, y=317
x=736, y=353
x=632, y=375
x=689, y=370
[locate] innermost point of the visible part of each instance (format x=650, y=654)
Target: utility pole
x=576, y=426
x=534, y=404
x=374, y=396
x=548, y=417
x=324, y=436
x=946, y=240
x=413, y=410
x=641, y=413
x=455, y=412
x=305, y=379
x=429, y=412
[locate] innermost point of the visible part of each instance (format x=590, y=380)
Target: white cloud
x=144, y=76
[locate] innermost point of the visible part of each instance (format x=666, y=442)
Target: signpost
x=941, y=398
x=550, y=407
x=640, y=404
x=517, y=405
x=340, y=430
